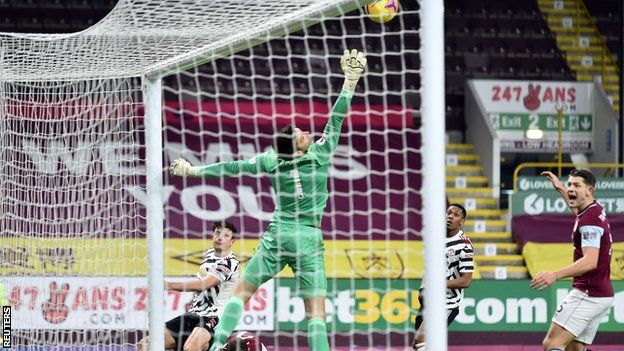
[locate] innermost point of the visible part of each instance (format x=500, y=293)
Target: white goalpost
x=91, y=223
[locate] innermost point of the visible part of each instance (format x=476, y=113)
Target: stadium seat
x=60, y=24
x=24, y=4
x=103, y=5
x=7, y=24
x=30, y=24
x=607, y=20
x=81, y=23
x=51, y=5
x=79, y=5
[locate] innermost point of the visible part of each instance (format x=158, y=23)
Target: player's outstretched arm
x=352, y=64
x=558, y=186
x=182, y=168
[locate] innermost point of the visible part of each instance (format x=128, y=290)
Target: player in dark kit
x=217, y=276
x=459, y=269
x=576, y=320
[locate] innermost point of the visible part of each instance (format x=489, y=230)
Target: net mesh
x=229, y=110
x=141, y=36
x=71, y=230
x=72, y=177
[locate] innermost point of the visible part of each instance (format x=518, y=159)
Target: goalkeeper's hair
x=226, y=225
x=284, y=142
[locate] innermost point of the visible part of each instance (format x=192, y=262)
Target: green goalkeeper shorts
x=301, y=248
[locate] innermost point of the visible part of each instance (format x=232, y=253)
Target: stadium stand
x=585, y=46
x=506, y=39
x=607, y=16
x=483, y=39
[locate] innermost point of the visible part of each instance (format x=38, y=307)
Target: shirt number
x=298, y=187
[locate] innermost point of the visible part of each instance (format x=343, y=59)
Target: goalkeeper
x=298, y=169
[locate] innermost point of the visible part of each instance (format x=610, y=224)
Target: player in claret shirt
x=298, y=169
x=576, y=320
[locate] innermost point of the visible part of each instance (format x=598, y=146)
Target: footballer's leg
x=144, y=344
x=420, y=334
x=199, y=340
x=309, y=269
x=263, y=265
x=419, y=326
x=317, y=328
x=232, y=313
x=202, y=334
x=557, y=338
x=170, y=342
x=576, y=345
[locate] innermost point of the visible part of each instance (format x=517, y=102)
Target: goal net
x=73, y=194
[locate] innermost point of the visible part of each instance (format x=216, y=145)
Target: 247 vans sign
x=513, y=107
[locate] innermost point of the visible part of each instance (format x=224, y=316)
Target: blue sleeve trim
x=591, y=235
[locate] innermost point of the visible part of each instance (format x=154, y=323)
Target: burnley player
x=298, y=169
x=576, y=320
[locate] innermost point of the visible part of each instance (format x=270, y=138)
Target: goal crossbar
x=169, y=39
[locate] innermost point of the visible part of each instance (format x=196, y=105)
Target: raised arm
x=352, y=63
x=183, y=168
x=559, y=187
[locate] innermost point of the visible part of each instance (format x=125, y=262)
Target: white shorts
x=580, y=314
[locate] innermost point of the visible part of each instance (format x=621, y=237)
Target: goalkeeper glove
x=182, y=168
x=352, y=64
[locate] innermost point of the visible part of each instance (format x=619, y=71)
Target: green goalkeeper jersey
x=300, y=184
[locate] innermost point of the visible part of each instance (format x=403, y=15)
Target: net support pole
x=433, y=151
x=152, y=98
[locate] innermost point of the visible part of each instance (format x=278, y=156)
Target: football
x=382, y=11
